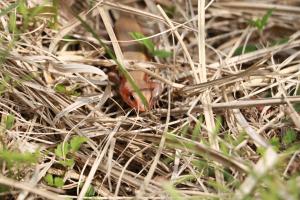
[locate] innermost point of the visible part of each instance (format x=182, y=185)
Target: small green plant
x=90, y=192
x=261, y=151
x=61, y=88
x=29, y=14
x=262, y=22
x=149, y=45
x=12, y=24
x=65, y=150
x=14, y=158
x=56, y=181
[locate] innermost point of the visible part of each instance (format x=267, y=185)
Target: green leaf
x=184, y=130
x=60, y=88
x=90, y=192
x=162, y=53
x=12, y=23
x=143, y=40
x=76, y=142
x=67, y=162
x=13, y=157
x=49, y=179
x=289, y=137
x=261, y=150
x=266, y=17
x=243, y=50
x=58, y=182
x=261, y=23
x=62, y=150
x=9, y=121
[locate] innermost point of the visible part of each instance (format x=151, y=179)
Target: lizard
x=135, y=51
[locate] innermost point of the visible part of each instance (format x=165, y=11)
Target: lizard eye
x=131, y=98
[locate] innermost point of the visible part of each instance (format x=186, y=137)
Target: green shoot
x=261, y=23
x=90, y=192
x=14, y=157
x=57, y=182
x=64, y=151
x=149, y=45
x=76, y=142
x=143, y=40
x=12, y=23
x=62, y=89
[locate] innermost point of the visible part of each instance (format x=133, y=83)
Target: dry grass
x=225, y=127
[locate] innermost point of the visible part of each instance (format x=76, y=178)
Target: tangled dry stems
x=205, y=140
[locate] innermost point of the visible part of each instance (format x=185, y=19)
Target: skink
x=135, y=51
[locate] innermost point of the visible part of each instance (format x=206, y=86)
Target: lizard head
x=133, y=99
x=150, y=89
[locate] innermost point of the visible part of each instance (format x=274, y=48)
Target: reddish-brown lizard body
x=135, y=51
